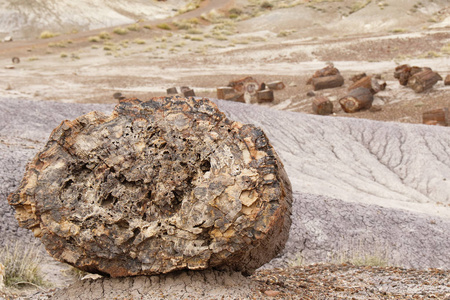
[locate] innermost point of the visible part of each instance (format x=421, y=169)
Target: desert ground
x=141, y=49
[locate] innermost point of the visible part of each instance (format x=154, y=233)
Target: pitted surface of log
x=157, y=186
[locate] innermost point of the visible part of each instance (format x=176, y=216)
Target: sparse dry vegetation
x=164, y=26
x=120, y=31
x=22, y=265
x=47, y=34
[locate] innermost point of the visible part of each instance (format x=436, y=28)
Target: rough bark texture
x=423, y=80
x=439, y=116
x=157, y=186
x=356, y=100
x=328, y=82
x=322, y=106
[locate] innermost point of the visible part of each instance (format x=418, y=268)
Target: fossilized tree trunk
x=328, y=82
x=424, y=80
x=157, y=186
x=357, y=99
x=321, y=105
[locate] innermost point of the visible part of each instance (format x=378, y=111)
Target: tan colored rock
x=157, y=186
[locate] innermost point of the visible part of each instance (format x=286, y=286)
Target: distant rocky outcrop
x=157, y=186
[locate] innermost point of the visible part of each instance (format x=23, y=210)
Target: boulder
x=157, y=186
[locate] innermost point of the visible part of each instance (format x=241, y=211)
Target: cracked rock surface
x=157, y=186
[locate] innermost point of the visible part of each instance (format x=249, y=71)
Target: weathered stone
x=157, y=186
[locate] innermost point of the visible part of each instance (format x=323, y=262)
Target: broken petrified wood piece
x=423, y=80
x=356, y=100
x=328, y=82
x=439, y=116
x=370, y=83
x=228, y=93
x=329, y=70
x=246, y=88
x=404, y=72
x=172, y=91
x=157, y=186
x=276, y=85
x=447, y=80
x=321, y=105
x=265, y=96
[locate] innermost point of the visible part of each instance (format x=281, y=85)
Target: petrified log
x=357, y=77
x=423, y=80
x=276, y=85
x=228, y=93
x=189, y=93
x=246, y=88
x=404, y=72
x=329, y=70
x=365, y=82
x=328, y=82
x=157, y=186
x=264, y=96
x=118, y=96
x=370, y=83
x=172, y=91
x=321, y=105
x=439, y=116
x=357, y=99
x=447, y=80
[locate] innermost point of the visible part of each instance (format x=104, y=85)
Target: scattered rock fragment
x=310, y=94
x=439, y=116
x=357, y=77
x=370, y=83
x=423, y=80
x=172, y=91
x=157, y=186
x=356, y=100
x=247, y=87
x=447, y=80
x=329, y=70
x=321, y=105
x=404, y=72
x=276, y=85
x=15, y=60
x=228, y=93
x=265, y=96
x=118, y=96
x=327, y=82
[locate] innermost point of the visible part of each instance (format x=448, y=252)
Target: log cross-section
x=357, y=99
x=157, y=186
x=321, y=105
